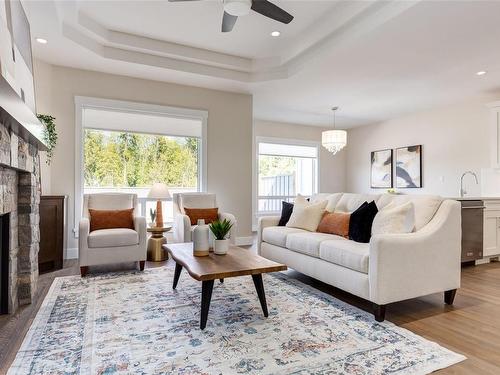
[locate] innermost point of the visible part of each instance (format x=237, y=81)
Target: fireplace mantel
x=16, y=116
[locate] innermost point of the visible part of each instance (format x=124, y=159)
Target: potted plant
x=220, y=229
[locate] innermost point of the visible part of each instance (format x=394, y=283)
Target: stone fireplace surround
x=20, y=196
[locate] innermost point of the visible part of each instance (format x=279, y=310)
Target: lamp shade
x=334, y=140
x=159, y=191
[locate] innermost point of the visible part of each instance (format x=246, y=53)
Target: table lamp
x=159, y=192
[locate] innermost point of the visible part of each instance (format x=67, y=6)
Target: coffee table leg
x=177, y=274
x=259, y=287
x=206, y=296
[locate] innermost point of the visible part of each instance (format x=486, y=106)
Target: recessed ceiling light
x=275, y=33
x=481, y=73
x=41, y=40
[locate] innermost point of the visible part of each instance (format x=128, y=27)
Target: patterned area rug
x=134, y=323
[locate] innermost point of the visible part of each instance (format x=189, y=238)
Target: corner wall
x=454, y=139
x=229, y=135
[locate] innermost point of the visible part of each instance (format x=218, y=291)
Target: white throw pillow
x=306, y=215
x=394, y=219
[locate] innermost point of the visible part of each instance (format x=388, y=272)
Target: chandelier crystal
x=334, y=140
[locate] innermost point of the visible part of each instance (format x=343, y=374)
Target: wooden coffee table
x=237, y=262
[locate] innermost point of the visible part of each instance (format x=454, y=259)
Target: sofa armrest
x=404, y=266
x=140, y=228
x=264, y=222
x=182, y=228
x=83, y=245
x=233, y=231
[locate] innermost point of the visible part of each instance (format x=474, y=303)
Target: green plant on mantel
x=49, y=134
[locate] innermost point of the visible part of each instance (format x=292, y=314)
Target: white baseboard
x=71, y=253
x=244, y=241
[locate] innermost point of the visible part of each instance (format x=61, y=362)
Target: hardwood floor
x=471, y=326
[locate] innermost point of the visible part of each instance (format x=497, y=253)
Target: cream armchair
x=182, y=224
x=116, y=245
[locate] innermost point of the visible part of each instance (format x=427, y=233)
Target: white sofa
x=105, y=246
x=392, y=267
x=183, y=230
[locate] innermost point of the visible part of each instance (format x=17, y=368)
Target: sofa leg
x=84, y=270
x=449, y=296
x=141, y=264
x=379, y=312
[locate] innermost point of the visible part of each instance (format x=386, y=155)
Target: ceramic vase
x=221, y=247
x=200, y=239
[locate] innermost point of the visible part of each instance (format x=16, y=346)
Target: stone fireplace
x=19, y=205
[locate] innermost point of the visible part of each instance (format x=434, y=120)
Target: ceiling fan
x=235, y=8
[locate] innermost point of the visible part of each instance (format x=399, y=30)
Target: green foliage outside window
x=118, y=159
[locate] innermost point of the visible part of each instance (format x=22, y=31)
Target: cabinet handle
x=473, y=207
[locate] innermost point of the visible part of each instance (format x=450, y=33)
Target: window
x=132, y=162
x=126, y=147
x=284, y=169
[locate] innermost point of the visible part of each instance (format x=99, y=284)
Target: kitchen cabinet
x=491, y=231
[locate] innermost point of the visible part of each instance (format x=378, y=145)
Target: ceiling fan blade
x=228, y=21
x=270, y=10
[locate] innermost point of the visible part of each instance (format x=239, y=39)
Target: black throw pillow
x=286, y=212
x=360, y=225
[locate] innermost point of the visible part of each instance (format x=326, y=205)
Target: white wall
x=454, y=139
x=229, y=138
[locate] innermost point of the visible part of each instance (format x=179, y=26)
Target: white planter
x=221, y=247
x=200, y=239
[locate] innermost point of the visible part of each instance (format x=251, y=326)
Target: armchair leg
x=141, y=264
x=379, y=312
x=84, y=270
x=449, y=296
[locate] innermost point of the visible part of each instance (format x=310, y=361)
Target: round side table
x=155, y=252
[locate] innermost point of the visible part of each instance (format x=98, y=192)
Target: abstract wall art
x=381, y=169
x=409, y=167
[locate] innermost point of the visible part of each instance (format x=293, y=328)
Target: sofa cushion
x=108, y=219
x=394, y=219
x=208, y=214
x=306, y=215
x=308, y=242
x=335, y=223
x=286, y=212
x=113, y=237
x=346, y=253
x=426, y=206
x=350, y=202
x=360, y=224
x=277, y=235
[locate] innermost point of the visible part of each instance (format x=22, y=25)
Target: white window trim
x=82, y=102
x=255, y=164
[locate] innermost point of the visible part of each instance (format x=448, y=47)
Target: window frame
x=281, y=141
x=83, y=102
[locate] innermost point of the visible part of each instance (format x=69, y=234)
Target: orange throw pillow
x=108, y=219
x=335, y=223
x=209, y=214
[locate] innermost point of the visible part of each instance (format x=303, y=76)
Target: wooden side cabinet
x=52, y=232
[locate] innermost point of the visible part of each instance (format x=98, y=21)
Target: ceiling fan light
x=334, y=140
x=237, y=7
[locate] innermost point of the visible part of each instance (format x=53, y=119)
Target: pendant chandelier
x=334, y=140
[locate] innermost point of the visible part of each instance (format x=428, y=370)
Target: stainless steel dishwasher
x=472, y=230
